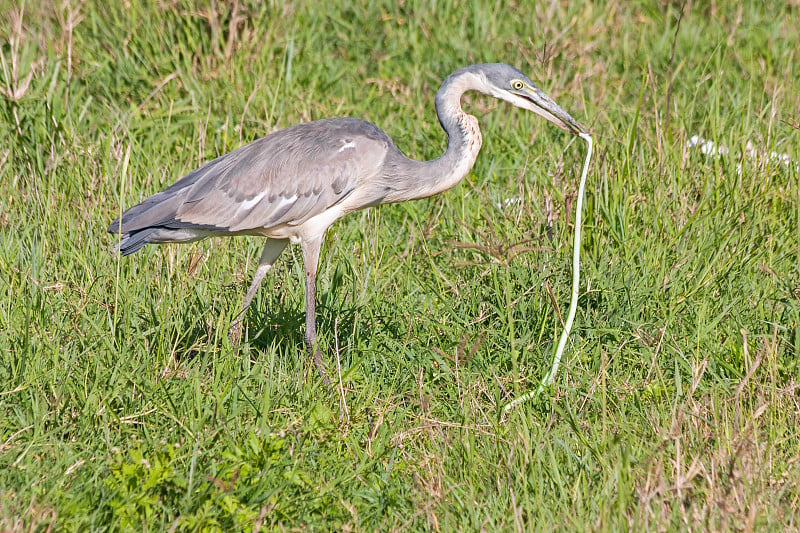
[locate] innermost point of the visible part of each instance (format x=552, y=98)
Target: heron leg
x=272, y=249
x=311, y=250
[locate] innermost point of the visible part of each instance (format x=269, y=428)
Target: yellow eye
x=517, y=85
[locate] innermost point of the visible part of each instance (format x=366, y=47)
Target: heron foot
x=235, y=332
x=320, y=364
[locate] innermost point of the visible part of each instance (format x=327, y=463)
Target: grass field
x=124, y=406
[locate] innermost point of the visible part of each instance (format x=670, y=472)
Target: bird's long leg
x=272, y=249
x=310, y=261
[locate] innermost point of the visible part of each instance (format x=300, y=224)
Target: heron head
x=509, y=84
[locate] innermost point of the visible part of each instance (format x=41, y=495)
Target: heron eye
x=517, y=85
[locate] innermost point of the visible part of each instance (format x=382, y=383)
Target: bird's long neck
x=421, y=179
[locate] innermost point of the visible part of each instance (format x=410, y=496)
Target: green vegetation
x=124, y=406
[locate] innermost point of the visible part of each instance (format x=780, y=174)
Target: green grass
x=124, y=406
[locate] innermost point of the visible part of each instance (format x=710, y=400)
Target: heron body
x=292, y=184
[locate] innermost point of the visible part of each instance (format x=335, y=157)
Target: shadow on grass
x=198, y=325
x=339, y=323
x=342, y=327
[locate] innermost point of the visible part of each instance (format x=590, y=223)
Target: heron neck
x=426, y=178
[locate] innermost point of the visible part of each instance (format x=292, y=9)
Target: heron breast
x=473, y=134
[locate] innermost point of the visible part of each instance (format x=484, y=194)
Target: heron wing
x=286, y=177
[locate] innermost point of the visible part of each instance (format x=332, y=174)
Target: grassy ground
x=124, y=406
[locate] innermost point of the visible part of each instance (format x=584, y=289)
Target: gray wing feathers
x=284, y=178
x=160, y=209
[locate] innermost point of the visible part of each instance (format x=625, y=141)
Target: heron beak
x=543, y=105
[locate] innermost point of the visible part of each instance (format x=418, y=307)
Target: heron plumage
x=278, y=181
x=292, y=184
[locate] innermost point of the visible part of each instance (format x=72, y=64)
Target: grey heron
x=292, y=184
